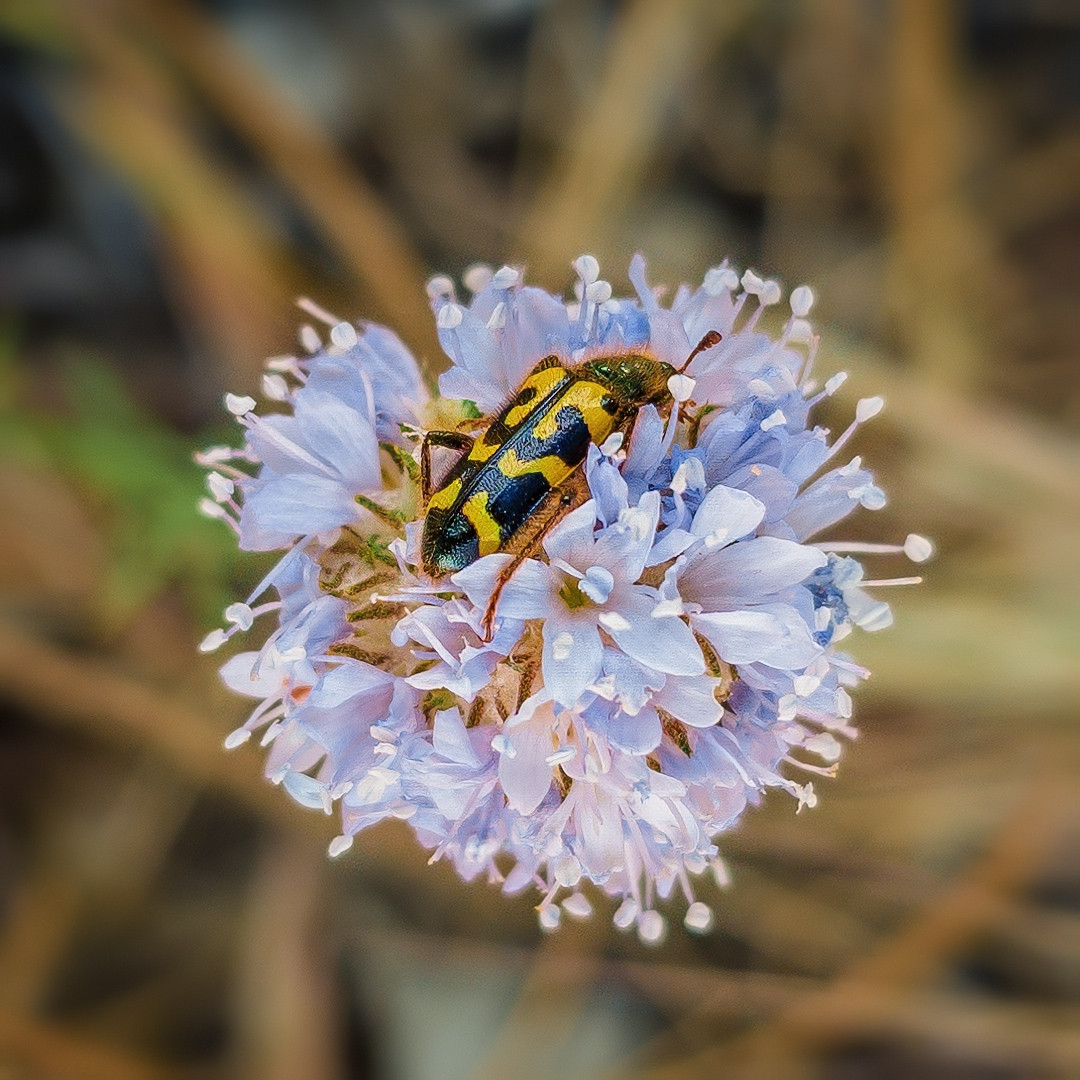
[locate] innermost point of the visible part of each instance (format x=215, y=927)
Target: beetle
x=522, y=472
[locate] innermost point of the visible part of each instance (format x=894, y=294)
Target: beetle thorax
x=635, y=379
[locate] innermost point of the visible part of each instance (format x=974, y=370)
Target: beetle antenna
x=713, y=337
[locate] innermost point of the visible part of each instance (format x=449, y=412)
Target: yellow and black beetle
x=520, y=474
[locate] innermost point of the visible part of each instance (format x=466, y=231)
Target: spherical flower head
x=593, y=694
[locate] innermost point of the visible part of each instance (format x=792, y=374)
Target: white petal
x=306, y=790
x=638, y=734
x=572, y=538
x=238, y=674
x=624, y=546
x=666, y=644
x=773, y=634
x=748, y=571
x=349, y=679
x=526, y=776
x=569, y=670
x=670, y=543
x=450, y=739
x=527, y=594
x=339, y=435
x=727, y=512
x=691, y=700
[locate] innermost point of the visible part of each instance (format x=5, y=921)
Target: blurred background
x=174, y=173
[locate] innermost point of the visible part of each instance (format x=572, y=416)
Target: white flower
x=589, y=585
x=662, y=656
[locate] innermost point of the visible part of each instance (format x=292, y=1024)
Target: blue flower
x=663, y=657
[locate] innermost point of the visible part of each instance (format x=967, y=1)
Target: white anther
x=787, y=707
x=603, y=687
x=626, y=913
x=449, y=317
x=610, y=446
x=440, y=285
x=751, y=283
x=505, y=278
x=550, y=916
x=339, y=845
x=567, y=753
x=805, y=685
x=720, y=872
x=613, y=621
x=597, y=584
x=281, y=363
x=598, y=292
x=497, y=318
x=343, y=335
x=844, y=704
x=775, y=419
x=802, y=300
x=720, y=279
x=477, y=277
x=214, y=640
x=872, y=498
x=567, y=870
x=834, y=382
x=651, y=927
x=275, y=387
x=868, y=407
x=240, y=615
x=681, y=387
x=667, y=608
x=502, y=745
x=717, y=537
x=560, y=649
x=214, y=455
x=211, y=509
x=917, y=548
x=678, y=481
x=807, y=797
x=236, y=738
x=577, y=906
x=698, y=917
x=309, y=338
x=587, y=267
x=221, y=487
x=770, y=293
x=239, y=404
x=826, y=746
x=800, y=332
x=636, y=520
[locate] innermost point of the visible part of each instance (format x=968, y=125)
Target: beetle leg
x=559, y=502
x=446, y=440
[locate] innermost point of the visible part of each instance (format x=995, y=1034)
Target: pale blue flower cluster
x=664, y=656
